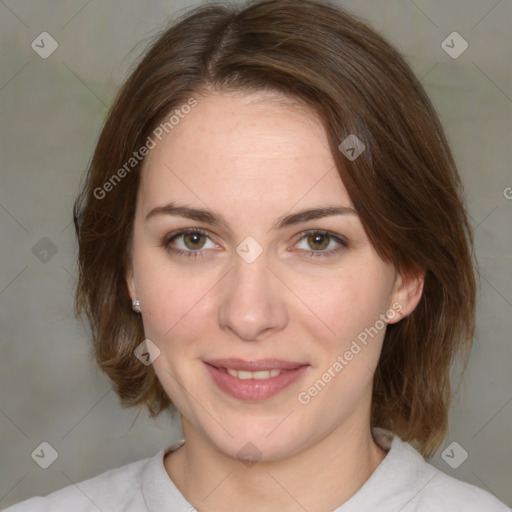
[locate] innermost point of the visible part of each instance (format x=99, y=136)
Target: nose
x=252, y=300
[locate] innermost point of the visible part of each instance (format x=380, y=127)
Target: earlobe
x=130, y=283
x=408, y=293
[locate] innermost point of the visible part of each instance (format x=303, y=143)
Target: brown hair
x=404, y=186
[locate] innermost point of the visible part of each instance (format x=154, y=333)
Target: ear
x=407, y=293
x=130, y=281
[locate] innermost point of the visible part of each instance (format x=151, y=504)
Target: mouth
x=254, y=380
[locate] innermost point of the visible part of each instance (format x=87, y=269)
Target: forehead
x=244, y=148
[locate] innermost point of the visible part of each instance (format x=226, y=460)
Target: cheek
x=348, y=301
x=175, y=319
x=174, y=301
x=347, y=359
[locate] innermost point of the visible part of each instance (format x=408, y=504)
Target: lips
x=254, y=380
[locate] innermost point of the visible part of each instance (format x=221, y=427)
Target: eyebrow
x=215, y=219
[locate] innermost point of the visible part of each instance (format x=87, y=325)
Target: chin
x=257, y=439
x=259, y=449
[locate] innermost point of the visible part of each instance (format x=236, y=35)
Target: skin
x=254, y=158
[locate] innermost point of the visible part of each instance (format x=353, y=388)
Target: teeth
x=244, y=375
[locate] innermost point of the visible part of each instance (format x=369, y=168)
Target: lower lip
x=254, y=389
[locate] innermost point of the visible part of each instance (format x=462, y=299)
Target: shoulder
x=405, y=481
x=443, y=492
x=425, y=488
x=112, y=490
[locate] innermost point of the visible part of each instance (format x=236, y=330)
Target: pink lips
x=254, y=389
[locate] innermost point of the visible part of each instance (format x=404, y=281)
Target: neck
x=319, y=478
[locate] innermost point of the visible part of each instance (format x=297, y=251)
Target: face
x=269, y=322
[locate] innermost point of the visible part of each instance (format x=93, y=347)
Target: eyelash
x=200, y=253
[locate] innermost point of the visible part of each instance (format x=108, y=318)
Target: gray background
x=52, y=110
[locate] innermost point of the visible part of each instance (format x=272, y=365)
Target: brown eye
x=318, y=241
x=194, y=240
x=193, y=243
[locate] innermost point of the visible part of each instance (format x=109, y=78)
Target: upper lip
x=254, y=366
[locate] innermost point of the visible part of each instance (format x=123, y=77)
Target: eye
x=189, y=242
x=317, y=241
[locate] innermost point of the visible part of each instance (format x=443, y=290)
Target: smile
x=254, y=380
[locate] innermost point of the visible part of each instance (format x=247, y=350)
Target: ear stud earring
x=136, y=305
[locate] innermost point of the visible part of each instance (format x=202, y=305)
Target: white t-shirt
x=403, y=482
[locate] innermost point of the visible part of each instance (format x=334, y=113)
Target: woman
x=273, y=242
